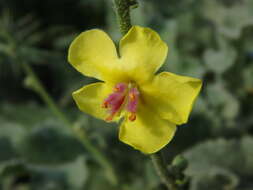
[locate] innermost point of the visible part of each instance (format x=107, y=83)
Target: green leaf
x=247, y=144
x=229, y=20
x=49, y=145
x=215, y=178
x=247, y=77
x=7, y=150
x=71, y=175
x=220, y=60
x=12, y=131
x=222, y=101
x=220, y=163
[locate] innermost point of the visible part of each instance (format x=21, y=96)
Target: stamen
x=123, y=97
x=115, y=100
x=109, y=118
x=131, y=96
x=120, y=87
x=105, y=104
x=132, y=117
x=133, y=100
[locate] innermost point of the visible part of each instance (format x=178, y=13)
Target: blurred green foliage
x=209, y=39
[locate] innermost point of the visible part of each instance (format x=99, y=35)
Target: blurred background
x=208, y=39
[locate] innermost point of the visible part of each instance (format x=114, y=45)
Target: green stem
x=122, y=8
x=98, y=156
x=162, y=171
x=39, y=88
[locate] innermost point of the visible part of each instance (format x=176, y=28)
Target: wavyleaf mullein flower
x=151, y=104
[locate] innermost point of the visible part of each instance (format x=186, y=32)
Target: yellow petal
x=148, y=133
x=142, y=53
x=172, y=96
x=93, y=54
x=89, y=99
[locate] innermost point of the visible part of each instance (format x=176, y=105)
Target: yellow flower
x=151, y=105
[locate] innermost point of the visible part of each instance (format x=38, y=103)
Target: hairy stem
x=162, y=171
x=122, y=8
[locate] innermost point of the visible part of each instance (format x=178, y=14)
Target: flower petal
x=142, y=53
x=172, y=96
x=93, y=54
x=148, y=133
x=89, y=99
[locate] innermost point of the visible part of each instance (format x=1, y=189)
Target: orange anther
x=105, y=105
x=132, y=117
x=116, y=89
x=131, y=96
x=109, y=118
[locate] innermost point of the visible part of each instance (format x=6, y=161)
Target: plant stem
x=162, y=171
x=37, y=86
x=122, y=9
x=99, y=157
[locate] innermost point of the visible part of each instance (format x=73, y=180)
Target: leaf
x=12, y=131
x=215, y=178
x=49, y=145
x=220, y=60
x=7, y=151
x=247, y=144
x=71, y=175
x=247, y=77
x=27, y=114
x=212, y=154
x=77, y=172
x=229, y=20
x=229, y=159
x=222, y=101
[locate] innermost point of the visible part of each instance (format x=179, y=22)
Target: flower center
x=124, y=97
